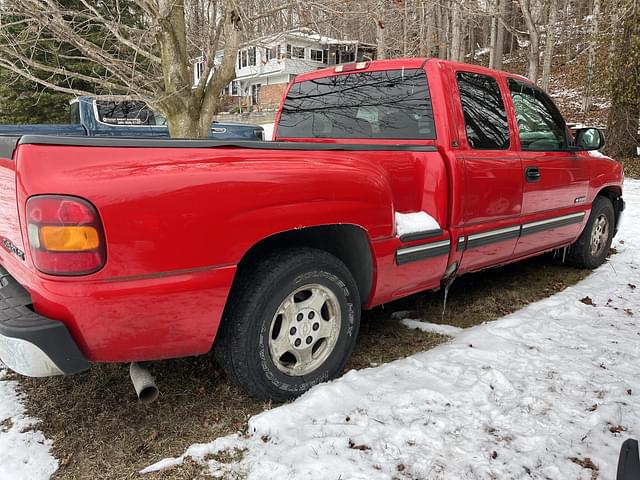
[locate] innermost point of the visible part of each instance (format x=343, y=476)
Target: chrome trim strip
x=422, y=252
x=422, y=248
x=492, y=233
x=554, y=220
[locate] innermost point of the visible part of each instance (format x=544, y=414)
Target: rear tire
x=291, y=323
x=592, y=247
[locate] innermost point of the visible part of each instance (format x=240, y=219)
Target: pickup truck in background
x=386, y=178
x=121, y=117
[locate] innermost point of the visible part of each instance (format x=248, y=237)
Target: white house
x=264, y=67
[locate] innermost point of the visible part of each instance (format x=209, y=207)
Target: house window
x=255, y=94
x=197, y=73
x=317, y=55
x=271, y=53
x=234, y=89
x=297, y=52
x=252, y=56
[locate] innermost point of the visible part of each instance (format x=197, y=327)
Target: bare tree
x=149, y=58
x=548, y=43
x=587, y=99
x=531, y=13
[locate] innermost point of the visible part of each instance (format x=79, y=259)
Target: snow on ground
x=419, y=324
x=448, y=330
x=24, y=452
x=415, y=222
x=268, y=131
x=535, y=394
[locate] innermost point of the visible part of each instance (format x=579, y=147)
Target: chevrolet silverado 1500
x=386, y=178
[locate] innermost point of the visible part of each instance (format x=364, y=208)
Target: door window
x=540, y=124
x=485, y=117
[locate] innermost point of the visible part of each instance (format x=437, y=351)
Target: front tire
x=291, y=323
x=592, y=247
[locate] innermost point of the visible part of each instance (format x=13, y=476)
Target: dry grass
x=100, y=431
x=631, y=167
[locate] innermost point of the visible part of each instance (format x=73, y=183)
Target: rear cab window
x=390, y=104
x=125, y=112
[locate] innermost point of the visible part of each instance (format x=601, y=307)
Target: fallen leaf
x=617, y=428
x=353, y=445
x=587, y=301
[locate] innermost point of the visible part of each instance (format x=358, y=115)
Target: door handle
x=532, y=174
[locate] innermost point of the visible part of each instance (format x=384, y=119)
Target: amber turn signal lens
x=69, y=239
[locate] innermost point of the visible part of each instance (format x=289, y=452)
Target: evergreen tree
x=622, y=128
x=22, y=101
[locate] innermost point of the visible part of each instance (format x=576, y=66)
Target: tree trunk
x=443, y=32
x=549, y=42
x=622, y=127
x=381, y=44
x=456, y=33
x=493, y=41
x=534, y=41
x=587, y=100
x=499, y=46
x=429, y=31
x=189, y=110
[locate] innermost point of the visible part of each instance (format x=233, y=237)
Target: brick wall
x=270, y=95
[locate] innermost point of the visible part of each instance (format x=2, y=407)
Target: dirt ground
x=100, y=431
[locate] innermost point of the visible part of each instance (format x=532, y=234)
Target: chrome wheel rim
x=599, y=235
x=304, y=329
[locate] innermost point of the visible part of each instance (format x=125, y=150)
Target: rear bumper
x=31, y=344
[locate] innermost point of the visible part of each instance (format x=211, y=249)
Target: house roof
x=304, y=34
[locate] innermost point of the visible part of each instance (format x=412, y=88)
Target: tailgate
x=11, y=244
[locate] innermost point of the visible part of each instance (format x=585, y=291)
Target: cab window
x=485, y=117
x=540, y=124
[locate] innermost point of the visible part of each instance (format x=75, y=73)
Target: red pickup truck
x=386, y=178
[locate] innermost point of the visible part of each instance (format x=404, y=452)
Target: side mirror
x=588, y=138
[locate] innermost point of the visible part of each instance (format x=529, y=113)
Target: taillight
x=65, y=235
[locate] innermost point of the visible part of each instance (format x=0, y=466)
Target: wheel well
x=347, y=242
x=613, y=194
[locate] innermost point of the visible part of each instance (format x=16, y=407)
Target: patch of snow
x=415, y=222
x=268, y=131
x=567, y=93
x=602, y=104
x=24, y=452
x=597, y=154
x=440, y=329
x=516, y=398
x=198, y=452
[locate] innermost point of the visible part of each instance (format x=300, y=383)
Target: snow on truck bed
x=415, y=222
x=535, y=394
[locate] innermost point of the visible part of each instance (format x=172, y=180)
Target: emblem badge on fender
x=10, y=247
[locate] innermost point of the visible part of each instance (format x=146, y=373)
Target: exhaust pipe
x=144, y=383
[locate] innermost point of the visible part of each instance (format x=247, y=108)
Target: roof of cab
x=398, y=64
